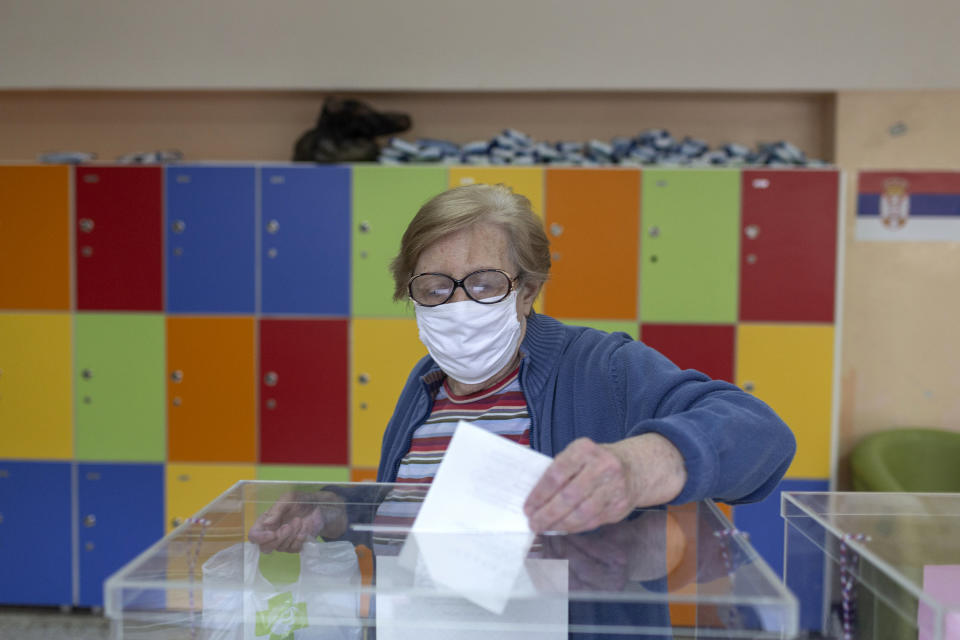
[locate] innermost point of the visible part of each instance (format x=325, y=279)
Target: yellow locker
x=384, y=351
x=526, y=181
x=790, y=367
x=36, y=392
x=191, y=487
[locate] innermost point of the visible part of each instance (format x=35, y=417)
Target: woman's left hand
x=592, y=484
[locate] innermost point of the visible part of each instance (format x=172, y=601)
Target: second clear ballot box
x=875, y=565
x=660, y=573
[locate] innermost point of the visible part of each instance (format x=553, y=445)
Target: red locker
x=708, y=348
x=303, y=391
x=119, y=238
x=788, y=250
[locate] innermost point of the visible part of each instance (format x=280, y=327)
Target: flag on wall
x=913, y=206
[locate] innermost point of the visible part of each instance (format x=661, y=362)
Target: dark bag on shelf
x=346, y=132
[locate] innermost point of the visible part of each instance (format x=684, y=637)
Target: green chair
x=910, y=460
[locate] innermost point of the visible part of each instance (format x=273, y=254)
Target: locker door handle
x=273, y=226
x=749, y=387
x=271, y=378
x=751, y=231
x=179, y=226
x=363, y=378
x=654, y=232
x=90, y=520
x=556, y=230
x=364, y=227
x=177, y=375
x=86, y=225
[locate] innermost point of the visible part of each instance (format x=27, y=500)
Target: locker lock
x=364, y=227
x=654, y=231
x=86, y=251
x=556, y=230
x=179, y=226
x=363, y=378
x=749, y=387
x=86, y=225
x=90, y=520
x=271, y=378
x=752, y=231
x=555, y=256
x=272, y=252
x=177, y=376
x=271, y=404
x=177, y=401
x=86, y=374
x=751, y=258
x=273, y=226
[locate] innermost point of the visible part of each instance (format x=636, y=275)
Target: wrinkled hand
x=592, y=484
x=297, y=518
x=587, y=485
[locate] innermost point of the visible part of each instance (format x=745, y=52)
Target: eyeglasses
x=486, y=286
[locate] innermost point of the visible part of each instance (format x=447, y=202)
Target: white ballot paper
x=471, y=535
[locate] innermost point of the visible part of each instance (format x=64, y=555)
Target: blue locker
x=762, y=521
x=35, y=533
x=305, y=240
x=210, y=230
x=121, y=514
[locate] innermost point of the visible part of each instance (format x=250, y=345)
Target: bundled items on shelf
x=651, y=147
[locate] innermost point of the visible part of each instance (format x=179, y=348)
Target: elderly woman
x=626, y=426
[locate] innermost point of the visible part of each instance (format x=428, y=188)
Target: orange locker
x=593, y=218
x=211, y=389
x=34, y=238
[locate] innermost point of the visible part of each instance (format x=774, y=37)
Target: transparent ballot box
x=371, y=574
x=875, y=565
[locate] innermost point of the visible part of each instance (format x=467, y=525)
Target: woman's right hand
x=297, y=518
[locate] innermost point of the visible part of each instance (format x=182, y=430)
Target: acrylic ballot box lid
x=371, y=576
x=875, y=565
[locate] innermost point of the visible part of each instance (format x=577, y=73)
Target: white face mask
x=471, y=342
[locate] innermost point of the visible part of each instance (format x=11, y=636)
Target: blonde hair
x=463, y=207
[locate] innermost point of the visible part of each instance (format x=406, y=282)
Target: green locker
x=385, y=199
x=119, y=386
x=689, y=265
x=303, y=473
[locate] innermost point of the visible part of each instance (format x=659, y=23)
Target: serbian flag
x=917, y=206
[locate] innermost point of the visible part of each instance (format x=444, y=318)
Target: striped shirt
x=501, y=409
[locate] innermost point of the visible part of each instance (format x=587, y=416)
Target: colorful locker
x=211, y=389
x=119, y=238
x=385, y=199
x=120, y=508
x=788, y=245
x=210, y=226
x=303, y=391
x=384, y=351
x=790, y=367
x=527, y=181
x=706, y=348
x=119, y=387
x=190, y=487
x=35, y=533
x=689, y=252
x=35, y=241
x=36, y=409
x=305, y=240
x=592, y=221
x=303, y=473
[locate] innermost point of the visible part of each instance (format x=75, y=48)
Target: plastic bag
x=239, y=603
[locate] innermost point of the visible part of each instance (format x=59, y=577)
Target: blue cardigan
x=580, y=382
